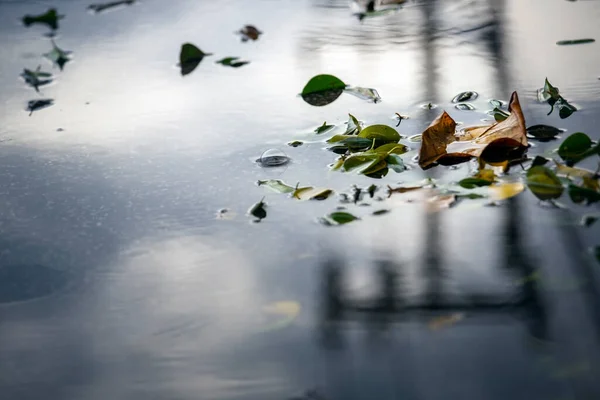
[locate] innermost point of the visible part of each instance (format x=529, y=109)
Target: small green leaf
x=232, y=62
x=98, y=8
x=550, y=91
x=49, y=18
x=470, y=196
x=580, y=194
x=58, y=56
x=258, y=211
x=340, y=217
x=380, y=212
x=574, y=41
x=351, y=142
x=311, y=193
x=565, y=109
x=543, y=132
x=35, y=105
x=277, y=185
x=391, y=148
x=36, y=78
x=371, y=190
x=576, y=147
x=321, y=83
x=394, y=161
x=543, y=183
x=382, y=134
x=189, y=58
x=296, y=143
x=472, y=183
x=500, y=115
x=539, y=160
x=353, y=126
x=323, y=128
x=363, y=162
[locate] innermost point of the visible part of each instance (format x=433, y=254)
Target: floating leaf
x=589, y=219
x=364, y=163
x=505, y=190
x=340, y=217
x=36, y=78
x=367, y=94
x=323, y=128
x=232, y=62
x=380, y=212
x=565, y=109
x=472, y=183
x=58, y=56
x=435, y=139
x=576, y=147
x=371, y=190
x=285, y=313
x=543, y=132
x=539, y=160
x=277, y=185
x=572, y=172
x=465, y=96
x=382, y=134
x=543, y=183
x=100, y=7
x=580, y=194
x=311, y=193
x=321, y=83
x=351, y=142
x=352, y=126
x=390, y=148
x=296, y=143
x=394, y=161
x=249, y=32
x=402, y=189
x=189, y=58
x=465, y=107
x=551, y=95
x=574, y=41
x=445, y=321
x=35, y=105
x=49, y=18
x=258, y=211
x=499, y=115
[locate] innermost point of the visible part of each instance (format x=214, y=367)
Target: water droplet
x=465, y=96
x=498, y=103
x=465, y=107
x=273, y=158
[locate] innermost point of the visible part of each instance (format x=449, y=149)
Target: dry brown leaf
x=434, y=140
x=512, y=131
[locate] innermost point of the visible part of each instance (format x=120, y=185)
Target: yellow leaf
x=285, y=312
x=311, y=193
x=505, y=190
x=572, y=172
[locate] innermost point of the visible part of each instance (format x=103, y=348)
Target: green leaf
x=351, y=142
x=543, y=183
x=258, y=211
x=58, y=56
x=500, y=115
x=543, y=132
x=35, y=105
x=49, y=18
x=470, y=196
x=321, y=83
x=394, y=161
x=574, y=41
x=341, y=217
x=36, y=78
x=353, y=126
x=189, y=58
x=295, y=143
x=565, y=109
x=577, y=147
x=580, y=194
x=277, y=185
x=550, y=92
x=539, y=160
x=363, y=162
x=380, y=212
x=589, y=219
x=100, y=7
x=232, y=62
x=382, y=134
x=391, y=148
x=472, y=183
x=311, y=193
x=323, y=128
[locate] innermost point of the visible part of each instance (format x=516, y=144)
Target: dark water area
x=120, y=280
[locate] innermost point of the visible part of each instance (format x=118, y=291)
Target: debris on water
x=498, y=103
x=465, y=107
x=36, y=78
x=575, y=41
x=296, y=143
x=58, y=56
x=249, y=32
x=35, y=105
x=543, y=132
x=323, y=128
x=400, y=118
x=367, y=94
x=100, y=7
x=234, y=62
x=415, y=138
x=465, y=96
x=273, y=158
x=60, y=130
x=428, y=106
x=189, y=58
x=258, y=210
x=371, y=190
x=49, y=18
x=380, y=212
x=225, y=214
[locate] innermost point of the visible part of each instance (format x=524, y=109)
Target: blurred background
x=121, y=279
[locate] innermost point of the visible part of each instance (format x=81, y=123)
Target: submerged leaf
x=58, y=56
x=543, y=183
x=189, y=58
x=100, y=7
x=382, y=134
x=232, y=62
x=277, y=185
x=49, y=18
x=323, y=128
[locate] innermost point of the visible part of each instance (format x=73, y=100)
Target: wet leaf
x=394, y=162
x=367, y=94
x=258, y=211
x=442, y=201
x=277, y=185
x=311, y=193
x=371, y=190
x=551, y=95
x=382, y=134
x=472, y=183
x=505, y=190
x=465, y=96
x=49, y=18
x=390, y=148
x=589, y=219
x=353, y=126
x=445, y=321
x=539, y=160
x=351, y=142
x=565, y=109
x=249, y=32
x=580, y=194
x=58, y=56
x=285, y=313
x=465, y=107
x=499, y=115
x=380, y=212
x=232, y=62
x=189, y=58
x=35, y=105
x=572, y=172
x=36, y=78
x=364, y=163
x=543, y=132
x=543, y=183
x=574, y=41
x=576, y=147
x=321, y=83
x=341, y=217
x=296, y=143
x=323, y=128
x=100, y=7
x=402, y=189
x=435, y=139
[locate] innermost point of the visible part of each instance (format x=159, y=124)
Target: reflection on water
x=109, y=199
